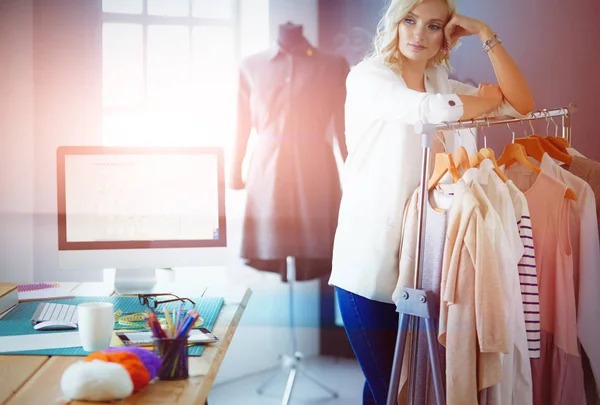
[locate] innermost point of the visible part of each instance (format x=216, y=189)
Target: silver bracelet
x=490, y=43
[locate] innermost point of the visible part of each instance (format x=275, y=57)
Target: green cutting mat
x=18, y=321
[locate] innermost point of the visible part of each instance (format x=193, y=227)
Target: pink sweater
x=558, y=373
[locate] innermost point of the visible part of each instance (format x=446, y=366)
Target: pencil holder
x=173, y=354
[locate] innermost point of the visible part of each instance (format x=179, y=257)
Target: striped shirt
x=527, y=271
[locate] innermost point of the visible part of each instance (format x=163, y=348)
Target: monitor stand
x=139, y=281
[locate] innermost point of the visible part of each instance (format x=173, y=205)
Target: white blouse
x=383, y=169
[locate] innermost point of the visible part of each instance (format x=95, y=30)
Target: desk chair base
x=295, y=367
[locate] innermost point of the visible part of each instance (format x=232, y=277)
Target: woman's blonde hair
x=386, y=44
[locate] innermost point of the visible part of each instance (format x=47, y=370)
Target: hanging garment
x=293, y=191
x=558, y=373
x=585, y=243
x=516, y=385
x=527, y=270
x=499, y=197
x=574, y=152
x=588, y=170
x=437, y=206
x=472, y=323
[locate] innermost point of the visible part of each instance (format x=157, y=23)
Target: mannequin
x=293, y=97
x=290, y=35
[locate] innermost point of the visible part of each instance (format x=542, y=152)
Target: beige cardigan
x=472, y=318
x=472, y=311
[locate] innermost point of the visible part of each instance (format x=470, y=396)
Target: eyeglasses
x=152, y=300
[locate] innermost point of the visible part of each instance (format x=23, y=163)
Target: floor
x=341, y=375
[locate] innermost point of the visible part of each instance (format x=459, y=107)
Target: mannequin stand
x=293, y=362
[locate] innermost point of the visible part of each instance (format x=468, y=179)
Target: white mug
x=95, y=321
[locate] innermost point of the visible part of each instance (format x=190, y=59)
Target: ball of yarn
x=140, y=376
x=150, y=360
x=96, y=381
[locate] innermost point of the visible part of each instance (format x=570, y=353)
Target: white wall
x=68, y=105
x=16, y=141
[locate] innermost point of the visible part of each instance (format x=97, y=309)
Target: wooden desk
x=29, y=380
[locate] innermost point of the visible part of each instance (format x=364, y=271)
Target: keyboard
x=47, y=311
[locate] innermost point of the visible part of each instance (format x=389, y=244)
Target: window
x=170, y=68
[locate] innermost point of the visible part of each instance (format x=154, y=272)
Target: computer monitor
x=140, y=209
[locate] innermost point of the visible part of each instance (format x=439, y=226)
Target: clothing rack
x=415, y=303
x=564, y=112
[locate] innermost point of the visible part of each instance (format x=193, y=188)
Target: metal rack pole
x=566, y=127
x=422, y=215
x=485, y=122
x=417, y=282
x=416, y=304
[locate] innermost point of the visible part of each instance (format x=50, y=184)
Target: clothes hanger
x=488, y=153
x=485, y=151
x=558, y=143
x=562, y=142
x=461, y=157
x=516, y=152
x=513, y=153
x=548, y=146
x=443, y=164
x=533, y=147
x=476, y=158
x=552, y=150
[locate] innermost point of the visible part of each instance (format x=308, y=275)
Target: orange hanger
x=461, y=158
x=570, y=194
x=559, y=143
x=515, y=152
x=533, y=147
x=564, y=144
x=552, y=150
x=488, y=153
x=475, y=159
x=443, y=164
x=557, y=152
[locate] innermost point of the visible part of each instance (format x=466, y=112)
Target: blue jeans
x=372, y=327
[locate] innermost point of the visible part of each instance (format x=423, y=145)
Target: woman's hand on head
x=462, y=26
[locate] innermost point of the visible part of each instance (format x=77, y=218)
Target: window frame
x=144, y=19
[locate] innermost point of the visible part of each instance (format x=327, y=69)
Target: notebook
x=42, y=291
x=40, y=341
x=8, y=297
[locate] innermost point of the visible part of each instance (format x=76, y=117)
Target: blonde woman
x=403, y=82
